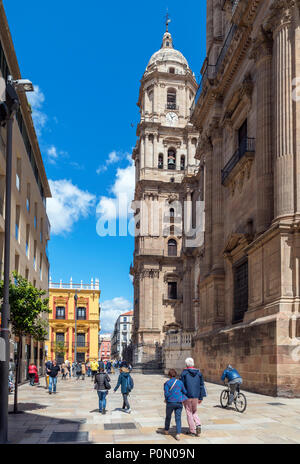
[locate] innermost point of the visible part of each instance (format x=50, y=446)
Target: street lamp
x=8, y=109
x=75, y=347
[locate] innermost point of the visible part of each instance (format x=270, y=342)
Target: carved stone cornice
x=204, y=146
x=281, y=14
x=152, y=273
x=262, y=46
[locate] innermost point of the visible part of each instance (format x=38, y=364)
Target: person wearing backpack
x=126, y=382
x=194, y=385
x=102, y=385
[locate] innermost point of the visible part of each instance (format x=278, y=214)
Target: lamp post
x=75, y=347
x=8, y=109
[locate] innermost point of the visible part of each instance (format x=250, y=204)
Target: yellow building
x=61, y=344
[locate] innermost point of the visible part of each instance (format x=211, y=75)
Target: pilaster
x=262, y=52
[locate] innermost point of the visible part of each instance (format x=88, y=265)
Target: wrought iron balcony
x=226, y=46
x=247, y=146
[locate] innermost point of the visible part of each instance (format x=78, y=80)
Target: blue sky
x=86, y=60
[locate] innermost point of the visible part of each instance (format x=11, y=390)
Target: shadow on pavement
x=23, y=407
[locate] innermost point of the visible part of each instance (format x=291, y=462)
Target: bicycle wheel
x=224, y=398
x=240, y=402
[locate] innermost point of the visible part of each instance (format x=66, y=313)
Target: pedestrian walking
x=78, y=370
x=68, y=364
x=94, y=368
x=83, y=371
x=48, y=365
x=32, y=372
x=192, y=380
x=73, y=369
x=53, y=373
x=101, y=364
x=175, y=394
x=88, y=369
x=108, y=367
x=102, y=385
x=64, y=371
x=11, y=370
x=126, y=382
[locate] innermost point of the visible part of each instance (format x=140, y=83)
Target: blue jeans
x=102, y=400
x=52, y=382
x=177, y=408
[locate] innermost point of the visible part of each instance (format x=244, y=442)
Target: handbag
x=106, y=383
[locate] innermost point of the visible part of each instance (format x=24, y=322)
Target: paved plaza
x=71, y=416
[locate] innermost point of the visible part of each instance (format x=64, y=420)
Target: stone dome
x=167, y=54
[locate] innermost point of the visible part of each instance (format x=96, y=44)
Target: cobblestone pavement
x=71, y=416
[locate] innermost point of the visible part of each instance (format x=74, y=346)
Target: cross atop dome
x=168, y=20
x=167, y=38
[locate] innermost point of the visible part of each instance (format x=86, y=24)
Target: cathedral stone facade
x=247, y=111
x=238, y=285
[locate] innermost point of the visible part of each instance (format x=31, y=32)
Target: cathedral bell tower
x=163, y=156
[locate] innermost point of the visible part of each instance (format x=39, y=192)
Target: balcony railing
x=81, y=344
x=246, y=146
x=226, y=46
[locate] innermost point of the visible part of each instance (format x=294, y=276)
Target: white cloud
x=111, y=310
x=122, y=194
x=113, y=157
x=36, y=100
x=52, y=154
x=67, y=205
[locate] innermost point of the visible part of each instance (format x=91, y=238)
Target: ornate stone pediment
x=172, y=140
x=174, y=326
x=236, y=241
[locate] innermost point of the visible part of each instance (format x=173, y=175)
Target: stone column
x=217, y=224
x=262, y=54
x=146, y=154
x=156, y=302
x=70, y=351
x=155, y=153
x=281, y=23
x=142, y=152
x=207, y=147
x=209, y=24
x=188, y=214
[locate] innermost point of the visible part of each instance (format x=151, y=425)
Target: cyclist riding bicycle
x=234, y=380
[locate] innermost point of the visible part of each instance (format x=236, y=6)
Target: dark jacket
x=174, y=391
x=54, y=370
x=99, y=380
x=123, y=381
x=101, y=365
x=194, y=384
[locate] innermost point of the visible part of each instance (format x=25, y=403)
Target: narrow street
x=71, y=416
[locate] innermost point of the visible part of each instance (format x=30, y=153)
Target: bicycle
x=239, y=400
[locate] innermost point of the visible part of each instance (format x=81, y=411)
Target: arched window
x=171, y=159
x=172, y=247
x=172, y=70
x=160, y=161
x=182, y=163
x=171, y=99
